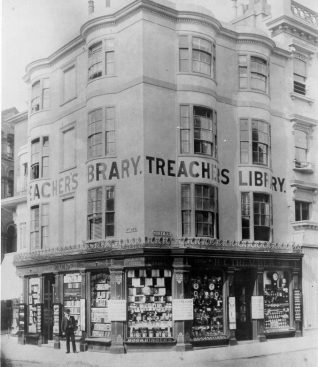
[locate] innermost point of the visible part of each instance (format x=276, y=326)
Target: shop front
x=172, y=297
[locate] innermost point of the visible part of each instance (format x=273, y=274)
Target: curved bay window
x=253, y=73
x=256, y=219
x=40, y=158
x=207, y=294
x=198, y=130
x=199, y=208
x=255, y=142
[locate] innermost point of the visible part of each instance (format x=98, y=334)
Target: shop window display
x=149, y=305
x=100, y=295
x=276, y=300
x=207, y=294
x=72, y=297
x=33, y=300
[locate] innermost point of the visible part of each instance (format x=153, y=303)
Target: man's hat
x=67, y=310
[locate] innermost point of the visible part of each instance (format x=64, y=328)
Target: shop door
x=49, y=281
x=243, y=285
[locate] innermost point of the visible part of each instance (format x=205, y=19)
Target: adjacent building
x=171, y=170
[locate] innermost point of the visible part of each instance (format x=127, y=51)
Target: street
x=292, y=352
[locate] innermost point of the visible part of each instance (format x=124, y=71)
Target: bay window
x=39, y=226
x=40, y=95
x=198, y=130
x=253, y=73
x=99, y=65
x=40, y=158
x=199, y=208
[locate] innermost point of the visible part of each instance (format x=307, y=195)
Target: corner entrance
x=244, y=281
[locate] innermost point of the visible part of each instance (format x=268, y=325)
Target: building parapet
x=197, y=243
x=304, y=13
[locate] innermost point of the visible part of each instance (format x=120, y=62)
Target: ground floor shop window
x=72, y=297
x=276, y=300
x=100, y=295
x=149, y=304
x=207, y=294
x=33, y=300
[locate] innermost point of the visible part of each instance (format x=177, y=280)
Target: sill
x=197, y=155
x=101, y=77
x=301, y=97
x=251, y=165
x=251, y=90
x=101, y=157
x=305, y=225
x=39, y=179
x=305, y=167
x=40, y=110
x=67, y=101
x=193, y=73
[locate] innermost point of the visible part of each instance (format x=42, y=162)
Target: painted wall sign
x=117, y=310
x=162, y=234
x=232, y=313
x=47, y=189
x=257, y=307
x=260, y=179
x=182, y=309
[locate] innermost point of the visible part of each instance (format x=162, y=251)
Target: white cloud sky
x=33, y=29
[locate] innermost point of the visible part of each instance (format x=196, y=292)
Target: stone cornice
x=195, y=243
x=18, y=118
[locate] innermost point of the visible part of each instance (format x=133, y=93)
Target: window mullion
x=251, y=199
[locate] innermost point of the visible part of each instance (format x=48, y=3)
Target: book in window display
x=207, y=294
x=100, y=296
x=72, y=297
x=33, y=299
x=149, y=305
x=276, y=301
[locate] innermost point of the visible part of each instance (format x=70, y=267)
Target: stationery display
x=57, y=318
x=33, y=300
x=39, y=317
x=297, y=305
x=100, y=296
x=149, y=305
x=207, y=293
x=72, y=297
x=276, y=301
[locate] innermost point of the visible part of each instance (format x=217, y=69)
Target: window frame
x=107, y=48
x=248, y=213
x=65, y=130
x=247, y=139
x=41, y=155
x=192, y=211
x=299, y=204
x=299, y=80
x=250, y=72
x=187, y=128
x=303, y=149
x=186, y=45
x=66, y=99
x=39, y=228
x=43, y=89
x=104, y=132
x=103, y=212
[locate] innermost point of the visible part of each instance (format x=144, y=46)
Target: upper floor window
x=40, y=158
x=300, y=75
x=101, y=132
x=301, y=149
x=302, y=210
x=69, y=83
x=40, y=95
x=253, y=73
x=101, y=212
x=198, y=130
x=39, y=226
x=97, y=65
x=199, y=208
x=69, y=148
x=254, y=142
x=256, y=218
x=196, y=55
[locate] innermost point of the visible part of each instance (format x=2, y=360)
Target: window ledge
x=301, y=97
x=89, y=81
x=305, y=225
x=250, y=90
x=304, y=167
x=62, y=170
x=192, y=73
x=40, y=110
x=68, y=101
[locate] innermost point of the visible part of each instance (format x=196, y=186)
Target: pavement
x=285, y=352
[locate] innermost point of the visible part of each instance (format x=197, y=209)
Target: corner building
x=162, y=186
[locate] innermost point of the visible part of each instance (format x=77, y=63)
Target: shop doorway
x=49, y=283
x=243, y=288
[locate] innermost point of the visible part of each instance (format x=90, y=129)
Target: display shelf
x=276, y=302
x=22, y=317
x=72, y=297
x=57, y=318
x=208, y=307
x=33, y=299
x=149, y=305
x=100, y=296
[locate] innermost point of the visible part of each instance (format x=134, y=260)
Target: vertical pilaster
x=181, y=290
x=231, y=293
x=41, y=339
x=295, y=284
x=259, y=291
x=83, y=344
x=117, y=289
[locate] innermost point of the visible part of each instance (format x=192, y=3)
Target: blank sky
x=33, y=29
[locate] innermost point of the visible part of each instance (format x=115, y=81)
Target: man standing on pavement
x=68, y=327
